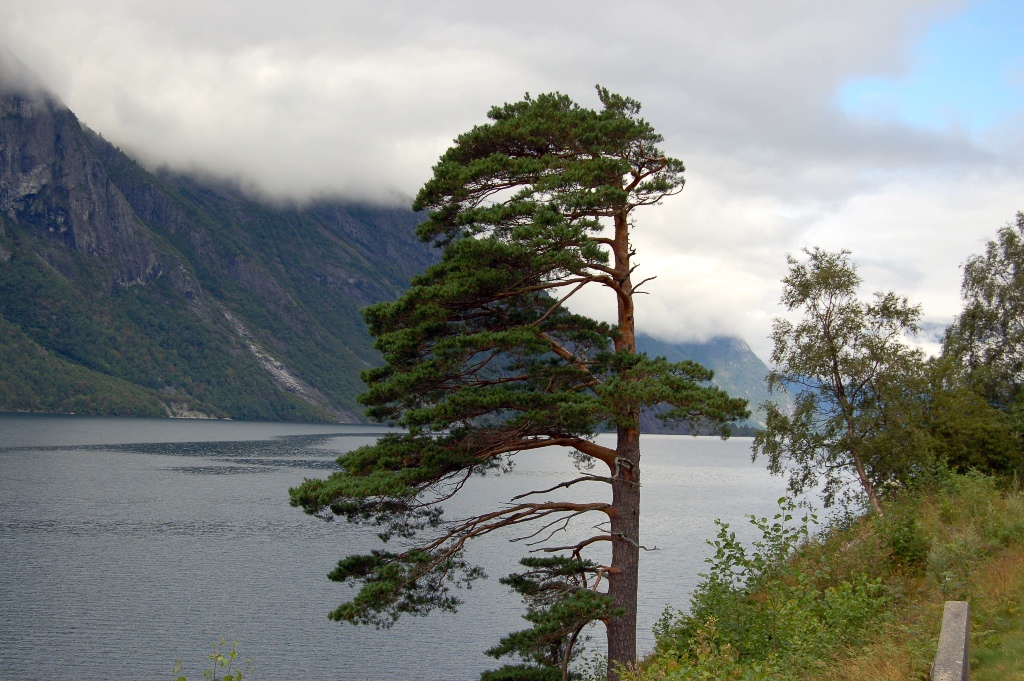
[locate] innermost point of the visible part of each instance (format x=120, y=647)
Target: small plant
x=951, y=563
x=224, y=665
x=902, y=535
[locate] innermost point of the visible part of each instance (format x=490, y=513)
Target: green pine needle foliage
x=483, y=360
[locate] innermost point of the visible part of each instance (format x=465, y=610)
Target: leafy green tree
x=846, y=361
x=988, y=336
x=965, y=431
x=483, y=361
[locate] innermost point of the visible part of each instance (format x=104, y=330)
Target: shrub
x=758, y=607
x=903, y=538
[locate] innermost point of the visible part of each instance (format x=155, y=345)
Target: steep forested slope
x=126, y=292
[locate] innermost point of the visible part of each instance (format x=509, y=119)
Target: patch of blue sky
x=967, y=74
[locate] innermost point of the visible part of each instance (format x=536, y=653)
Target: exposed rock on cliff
x=171, y=294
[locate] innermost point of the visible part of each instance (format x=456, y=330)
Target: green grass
x=860, y=601
x=1000, y=658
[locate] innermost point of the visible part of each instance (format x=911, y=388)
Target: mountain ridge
x=221, y=305
x=125, y=291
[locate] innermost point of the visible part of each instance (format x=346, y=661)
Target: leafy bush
x=904, y=539
x=860, y=599
x=757, y=607
x=706, y=659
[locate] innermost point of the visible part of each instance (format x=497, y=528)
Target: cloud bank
x=358, y=100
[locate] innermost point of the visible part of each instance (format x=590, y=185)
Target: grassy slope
x=961, y=539
x=976, y=553
x=975, y=538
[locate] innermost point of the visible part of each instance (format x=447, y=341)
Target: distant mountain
x=129, y=292
x=125, y=292
x=737, y=369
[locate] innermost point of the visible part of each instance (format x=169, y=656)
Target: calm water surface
x=126, y=544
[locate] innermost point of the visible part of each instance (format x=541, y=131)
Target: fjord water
x=127, y=544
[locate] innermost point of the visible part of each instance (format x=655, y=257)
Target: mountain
x=127, y=292
x=124, y=291
x=737, y=369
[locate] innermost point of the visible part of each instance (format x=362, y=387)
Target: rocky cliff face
x=53, y=185
x=173, y=295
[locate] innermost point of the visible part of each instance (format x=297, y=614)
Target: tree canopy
x=484, y=360
x=964, y=430
x=988, y=336
x=851, y=371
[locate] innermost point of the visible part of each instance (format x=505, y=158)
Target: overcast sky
x=893, y=128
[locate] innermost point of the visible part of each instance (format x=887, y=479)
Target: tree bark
x=862, y=474
x=868, y=487
x=623, y=582
x=625, y=525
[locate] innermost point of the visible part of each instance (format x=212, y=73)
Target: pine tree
x=484, y=360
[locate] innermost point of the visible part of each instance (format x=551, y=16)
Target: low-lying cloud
x=358, y=100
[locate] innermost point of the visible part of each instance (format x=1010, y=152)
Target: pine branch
x=575, y=548
x=565, y=354
x=559, y=303
x=561, y=485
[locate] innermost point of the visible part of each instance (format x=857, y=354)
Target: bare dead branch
x=642, y=282
x=457, y=486
x=561, y=485
x=563, y=521
x=575, y=548
x=453, y=542
x=633, y=542
x=559, y=304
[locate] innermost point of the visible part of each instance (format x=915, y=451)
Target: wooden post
x=953, y=658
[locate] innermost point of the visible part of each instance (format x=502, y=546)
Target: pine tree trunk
x=625, y=522
x=625, y=525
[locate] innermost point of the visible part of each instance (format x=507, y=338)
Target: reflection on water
x=279, y=446
x=131, y=543
x=240, y=456
x=246, y=456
